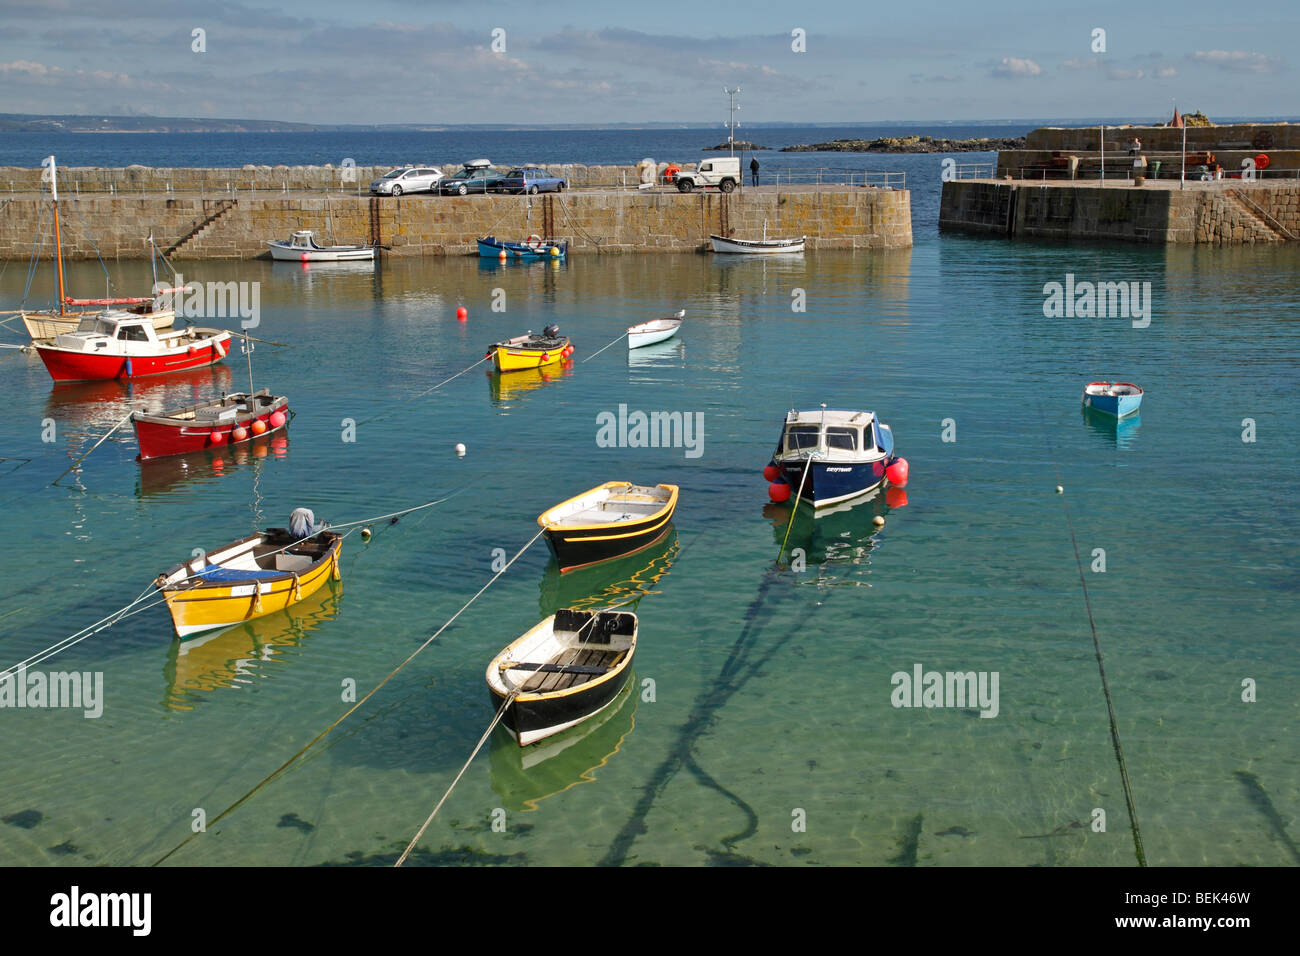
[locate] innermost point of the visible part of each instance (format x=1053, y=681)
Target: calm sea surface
x=760, y=727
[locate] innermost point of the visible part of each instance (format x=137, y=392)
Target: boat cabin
x=302, y=239
x=100, y=330
x=835, y=434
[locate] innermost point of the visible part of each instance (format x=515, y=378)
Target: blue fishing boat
x=534, y=247
x=828, y=457
x=1112, y=398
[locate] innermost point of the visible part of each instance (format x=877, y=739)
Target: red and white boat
x=226, y=421
x=117, y=344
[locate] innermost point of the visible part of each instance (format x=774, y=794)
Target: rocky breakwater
x=910, y=144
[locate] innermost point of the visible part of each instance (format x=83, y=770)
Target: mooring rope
x=94, y=446
x=598, y=351
x=795, y=510
x=393, y=673
x=1101, y=664
x=417, y=395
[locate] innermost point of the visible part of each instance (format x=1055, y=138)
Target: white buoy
x=878, y=521
x=460, y=450
x=365, y=534
x=1060, y=490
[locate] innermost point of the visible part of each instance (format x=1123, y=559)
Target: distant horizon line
x=292, y=126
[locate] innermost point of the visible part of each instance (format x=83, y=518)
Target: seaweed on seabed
x=908, y=843
x=458, y=856
x=1264, y=804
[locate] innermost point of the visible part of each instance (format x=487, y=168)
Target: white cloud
x=1015, y=67
x=1238, y=61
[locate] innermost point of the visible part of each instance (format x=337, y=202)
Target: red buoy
x=277, y=419
x=896, y=472
x=778, y=491
x=216, y=437
x=546, y=356
x=771, y=473
x=1261, y=161
x=258, y=426
x=239, y=433
x=462, y=314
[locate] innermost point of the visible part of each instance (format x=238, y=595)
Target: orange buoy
x=258, y=426
x=239, y=433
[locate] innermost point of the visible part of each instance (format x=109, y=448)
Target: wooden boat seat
x=574, y=667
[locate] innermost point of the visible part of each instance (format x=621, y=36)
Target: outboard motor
x=552, y=331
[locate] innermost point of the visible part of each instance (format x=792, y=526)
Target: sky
x=578, y=61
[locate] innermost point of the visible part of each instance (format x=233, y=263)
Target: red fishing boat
x=229, y=420
x=117, y=344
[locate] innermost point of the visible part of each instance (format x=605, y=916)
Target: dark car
x=475, y=177
x=530, y=179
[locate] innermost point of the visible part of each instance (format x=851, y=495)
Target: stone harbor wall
x=238, y=225
x=1214, y=213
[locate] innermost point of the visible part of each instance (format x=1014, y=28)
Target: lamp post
x=731, y=119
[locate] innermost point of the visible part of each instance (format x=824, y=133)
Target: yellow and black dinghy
x=606, y=522
x=564, y=670
x=249, y=578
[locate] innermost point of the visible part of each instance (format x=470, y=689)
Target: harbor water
x=761, y=725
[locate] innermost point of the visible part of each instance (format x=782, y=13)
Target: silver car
x=407, y=179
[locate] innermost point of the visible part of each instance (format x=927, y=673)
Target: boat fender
x=297, y=590
x=779, y=491
x=257, y=598
x=216, y=436
x=129, y=373
x=334, y=568
x=896, y=472
x=771, y=472
x=219, y=349
x=258, y=426
x=239, y=433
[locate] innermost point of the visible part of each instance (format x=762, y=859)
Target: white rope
x=594, y=354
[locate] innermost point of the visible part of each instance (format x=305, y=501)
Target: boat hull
x=286, y=253
x=489, y=247
x=159, y=436
x=579, y=546
x=757, y=247
x=220, y=604
x=67, y=365
x=535, y=715
x=1117, y=405
x=653, y=332
x=834, y=482
x=518, y=358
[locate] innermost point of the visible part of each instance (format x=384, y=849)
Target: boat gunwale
x=335, y=544
x=669, y=506
x=533, y=696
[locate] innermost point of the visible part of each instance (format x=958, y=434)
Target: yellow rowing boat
x=530, y=351
x=250, y=578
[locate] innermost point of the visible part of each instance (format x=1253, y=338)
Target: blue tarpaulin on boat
x=215, y=572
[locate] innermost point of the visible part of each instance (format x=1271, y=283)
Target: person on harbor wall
x=1135, y=147
x=753, y=170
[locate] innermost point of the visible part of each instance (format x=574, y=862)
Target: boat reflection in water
x=525, y=776
x=159, y=476
x=609, y=583
x=240, y=654
x=1119, y=432
x=85, y=409
x=514, y=385
x=670, y=354
x=840, y=537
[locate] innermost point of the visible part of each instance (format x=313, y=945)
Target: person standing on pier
x=753, y=170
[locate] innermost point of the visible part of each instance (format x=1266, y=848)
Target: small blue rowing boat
x=534, y=247
x=1112, y=398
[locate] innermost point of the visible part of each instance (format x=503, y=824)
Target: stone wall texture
x=1223, y=214
x=594, y=221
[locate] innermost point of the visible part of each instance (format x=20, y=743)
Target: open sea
x=761, y=726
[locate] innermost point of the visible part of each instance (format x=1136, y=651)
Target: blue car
x=530, y=179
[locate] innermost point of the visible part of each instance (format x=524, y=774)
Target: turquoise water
x=772, y=688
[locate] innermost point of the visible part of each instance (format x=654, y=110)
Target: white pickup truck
x=721, y=173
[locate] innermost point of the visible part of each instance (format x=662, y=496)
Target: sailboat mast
x=58, y=239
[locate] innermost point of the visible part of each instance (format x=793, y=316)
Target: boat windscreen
x=839, y=437
x=799, y=437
